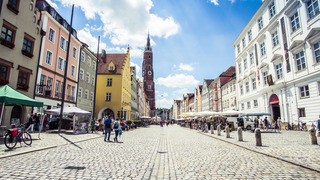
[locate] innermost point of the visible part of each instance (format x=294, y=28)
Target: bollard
x=227, y=132
x=206, y=128
x=240, y=137
x=219, y=129
x=313, y=138
x=257, y=134
x=212, y=129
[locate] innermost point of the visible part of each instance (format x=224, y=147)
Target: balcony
x=71, y=98
x=43, y=90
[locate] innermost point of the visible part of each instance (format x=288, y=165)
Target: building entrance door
x=108, y=112
x=274, y=102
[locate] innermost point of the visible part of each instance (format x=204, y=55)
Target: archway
x=107, y=111
x=16, y=115
x=274, y=102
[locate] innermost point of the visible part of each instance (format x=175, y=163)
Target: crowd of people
x=34, y=122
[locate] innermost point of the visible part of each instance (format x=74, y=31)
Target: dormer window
x=53, y=13
x=111, y=68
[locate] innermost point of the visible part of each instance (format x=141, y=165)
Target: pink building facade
x=52, y=60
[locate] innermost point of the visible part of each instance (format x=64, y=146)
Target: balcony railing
x=43, y=90
x=71, y=98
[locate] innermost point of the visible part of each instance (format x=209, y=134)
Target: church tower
x=147, y=74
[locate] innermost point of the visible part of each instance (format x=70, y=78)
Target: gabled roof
x=116, y=59
x=229, y=72
x=208, y=81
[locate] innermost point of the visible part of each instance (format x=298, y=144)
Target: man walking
x=117, y=128
x=107, y=128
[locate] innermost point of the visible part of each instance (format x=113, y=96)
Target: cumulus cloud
x=186, y=67
x=85, y=36
x=54, y=5
x=178, y=81
x=215, y=2
x=125, y=21
x=164, y=103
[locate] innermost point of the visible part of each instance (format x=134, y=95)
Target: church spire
x=148, y=46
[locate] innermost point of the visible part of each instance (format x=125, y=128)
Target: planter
x=7, y=43
x=27, y=53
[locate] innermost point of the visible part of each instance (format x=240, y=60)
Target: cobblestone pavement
x=150, y=153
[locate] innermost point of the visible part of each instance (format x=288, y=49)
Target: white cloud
x=126, y=21
x=186, y=67
x=164, y=103
x=54, y=5
x=215, y=2
x=178, y=81
x=85, y=36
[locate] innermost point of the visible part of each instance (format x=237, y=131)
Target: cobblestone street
x=169, y=152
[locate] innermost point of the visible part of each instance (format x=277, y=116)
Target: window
x=56, y=94
x=93, y=65
x=251, y=59
x=66, y=46
x=279, y=71
x=49, y=57
x=49, y=84
x=92, y=80
x=91, y=96
x=81, y=74
x=241, y=89
x=245, y=64
x=73, y=68
x=317, y=51
x=260, y=23
x=254, y=83
x=89, y=61
x=27, y=47
x=272, y=9
x=109, y=82
x=238, y=48
x=243, y=42
x=239, y=66
x=302, y=112
x=51, y=35
x=13, y=5
x=250, y=35
x=86, y=94
x=62, y=41
x=262, y=49
x=74, y=52
x=304, y=91
x=73, y=89
x=7, y=35
x=255, y=103
x=88, y=78
x=80, y=92
x=242, y=106
x=301, y=64
x=275, y=39
x=248, y=105
x=4, y=74
x=108, y=96
x=60, y=63
x=23, y=80
x=111, y=68
x=247, y=87
x=53, y=13
x=82, y=56
x=294, y=20
x=265, y=78
x=313, y=8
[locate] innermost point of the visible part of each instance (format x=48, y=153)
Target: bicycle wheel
x=27, y=139
x=10, y=141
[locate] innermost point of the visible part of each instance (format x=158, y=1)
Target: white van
x=244, y=122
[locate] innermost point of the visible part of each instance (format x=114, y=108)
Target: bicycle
x=15, y=135
x=291, y=127
x=303, y=127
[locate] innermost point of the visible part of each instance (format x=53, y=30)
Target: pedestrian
x=279, y=123
x=107, y=128
x=93, y=124
x=31, y=122
x=45, y=122
x=256, y=122
x=37, y=121
x=117, y=128
x=266, y=123
x=261, y=123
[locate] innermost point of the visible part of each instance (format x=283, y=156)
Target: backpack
x=116, y=125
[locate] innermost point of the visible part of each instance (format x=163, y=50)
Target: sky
x=191, y=39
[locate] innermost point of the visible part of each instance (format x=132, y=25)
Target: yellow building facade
x=113, y=91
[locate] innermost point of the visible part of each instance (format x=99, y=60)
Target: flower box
x=7, y=43
x=27, y=53
x=23, y=86
x=3, y=81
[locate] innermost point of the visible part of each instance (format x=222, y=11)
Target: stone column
x=212, y=129
x=227, y=132
x=219, y=130
x=257, y=134
x=313, y=138
x=240, y=137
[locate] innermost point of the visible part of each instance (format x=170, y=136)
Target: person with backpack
x=117, y=128
x=107, y=128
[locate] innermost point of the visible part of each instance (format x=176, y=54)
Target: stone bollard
x=313, y=138
x=240, y=137
x=212, y=129
x=206, y=128
x=219, y=130
x=227, y=132
x=257, y=134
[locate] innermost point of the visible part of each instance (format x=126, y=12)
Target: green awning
x=11, y=97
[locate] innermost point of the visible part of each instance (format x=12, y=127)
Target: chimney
x=103, y=56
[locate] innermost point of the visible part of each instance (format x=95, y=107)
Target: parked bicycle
x=303, y=127
x=17, y=135
x=291, y=127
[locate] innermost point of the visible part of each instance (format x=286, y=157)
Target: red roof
x=117, y=59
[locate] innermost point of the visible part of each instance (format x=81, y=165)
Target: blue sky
x=191, y=39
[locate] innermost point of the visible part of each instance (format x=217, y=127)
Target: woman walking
x=116, y=127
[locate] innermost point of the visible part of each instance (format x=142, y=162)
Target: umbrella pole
x=2, y=112
x=42, y=119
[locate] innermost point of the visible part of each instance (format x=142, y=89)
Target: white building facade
x=229, y=95
x=278, y=61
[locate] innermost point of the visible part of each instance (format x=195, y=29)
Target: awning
x=274, y=99
x=255, y=114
